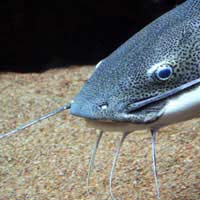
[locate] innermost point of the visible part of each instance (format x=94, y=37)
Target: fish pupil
x=164, y=73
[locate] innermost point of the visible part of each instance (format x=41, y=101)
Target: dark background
x=37, y=35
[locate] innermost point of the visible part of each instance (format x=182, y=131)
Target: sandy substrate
x=50, y=159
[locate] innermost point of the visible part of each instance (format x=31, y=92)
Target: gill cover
x=125, y=86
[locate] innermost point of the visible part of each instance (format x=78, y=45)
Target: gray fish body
x=127, y=76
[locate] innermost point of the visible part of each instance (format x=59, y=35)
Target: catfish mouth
x=141, y=112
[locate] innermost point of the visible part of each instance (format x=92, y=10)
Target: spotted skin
x=122, y=78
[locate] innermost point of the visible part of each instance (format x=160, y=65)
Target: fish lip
x=126, y=118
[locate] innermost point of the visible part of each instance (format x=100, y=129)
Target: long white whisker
x=153, y=132
x=66, y=106
x=91, y=163
x=114, y=164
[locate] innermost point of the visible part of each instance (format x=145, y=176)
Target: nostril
x=104, y=106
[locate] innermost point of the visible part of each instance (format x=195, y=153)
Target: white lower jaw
x=114, y=126
x=179, y=108
x=182, y=107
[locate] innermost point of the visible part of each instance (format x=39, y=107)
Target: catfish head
x=135, y=83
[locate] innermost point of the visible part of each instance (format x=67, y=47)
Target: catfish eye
x=164, y=72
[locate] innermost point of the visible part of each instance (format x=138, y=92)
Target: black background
x=37, y=35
